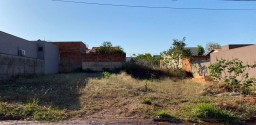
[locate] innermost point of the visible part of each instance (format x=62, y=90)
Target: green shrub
x=229, y=72
x=163, y=114
x=30, y=111
x=106, y=75
x=147, y=101
x=207, y=111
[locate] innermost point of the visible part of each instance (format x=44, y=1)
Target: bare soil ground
x=99, y=122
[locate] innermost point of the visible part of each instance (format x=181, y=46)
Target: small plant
x=146, y=87
x=163, y=114
x=106, y=75
x=147, y=101
x=208, y=111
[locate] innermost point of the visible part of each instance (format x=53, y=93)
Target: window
x=40, y=49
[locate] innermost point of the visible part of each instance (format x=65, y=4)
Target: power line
x=151, y=7
x=242, y=0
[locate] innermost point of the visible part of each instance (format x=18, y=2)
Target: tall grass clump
x=163, y=114
x=30, y=111
x=209, y=112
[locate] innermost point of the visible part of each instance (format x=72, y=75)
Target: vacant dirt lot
x=86, y=98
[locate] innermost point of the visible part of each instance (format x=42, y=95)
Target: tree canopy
x=201, y=50
x=178, y=49
x=211, y=46
x=177, y=52
x=107, y=47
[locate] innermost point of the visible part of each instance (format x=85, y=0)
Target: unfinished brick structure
x=71, y=55
x=75, y=56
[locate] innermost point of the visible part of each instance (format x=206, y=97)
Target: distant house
x=19, y=56
x=193, y=50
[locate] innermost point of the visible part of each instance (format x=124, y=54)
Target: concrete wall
x=245, y=54
x=10, y=44
x=11, y=66
x=51, y=57
x=200, y=68
x=186, y=64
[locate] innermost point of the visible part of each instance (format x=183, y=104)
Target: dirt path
x=94, y=122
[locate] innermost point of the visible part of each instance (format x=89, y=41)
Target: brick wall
x=73, y=57
x=70, y=55
x=93, y=57
x=100, y=62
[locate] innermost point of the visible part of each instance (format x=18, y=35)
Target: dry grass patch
x=122, y=96
x=118, y=96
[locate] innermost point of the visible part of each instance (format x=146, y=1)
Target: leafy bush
x=207, y=111
x=30, y=111
x=229, y=72
x=106, y=75
x=147, y=101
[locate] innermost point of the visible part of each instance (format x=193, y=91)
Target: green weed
x=208, y=111
x=147, y=101
x=106, y=75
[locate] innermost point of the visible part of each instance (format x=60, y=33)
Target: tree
x=211, y=46
x=177, y=52
x=201, y=50
x=107, y=47
x=106, y=44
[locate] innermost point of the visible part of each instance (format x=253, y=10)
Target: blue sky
x=137, y=30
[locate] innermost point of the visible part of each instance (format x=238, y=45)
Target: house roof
x=193, y=50
x=233, y=46
x=7, y=35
